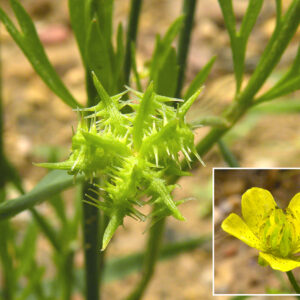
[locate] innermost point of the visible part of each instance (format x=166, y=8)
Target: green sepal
x=109, y=144
x=116, y=219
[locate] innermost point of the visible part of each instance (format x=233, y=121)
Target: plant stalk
x=91, y=246
x=150, y=259
x=189, y=7
x=293, y=282
x=135, y=10
x=91, y=221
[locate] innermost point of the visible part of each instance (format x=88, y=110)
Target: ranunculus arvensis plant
x=130, y=149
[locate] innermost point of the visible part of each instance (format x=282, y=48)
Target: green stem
x=91, y=221
x=273, y=52
x=135, y=10
x=91, y=246
x=150, y=259
x=293, y=282
x=189, y=7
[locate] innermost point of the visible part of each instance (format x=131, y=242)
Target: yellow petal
x=257, y=204
x=279, y=263
x=235, y=226
x=294, y=206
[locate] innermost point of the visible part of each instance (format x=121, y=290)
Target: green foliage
x=199, y=79
x=30, y=44
x=50, y=185
x=288, y=83
x=239, y=39
x=132, y=152
x=164, y=67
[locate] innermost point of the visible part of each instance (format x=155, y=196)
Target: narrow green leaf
x=229, y=18
x=104, y=15
x=98, y=56
x=142, y=117
x=173, y=31
x=8, y=271
x=281, y=89
x=167, y=75
x=239, y=39
x=53, y=183
x=31, y=46
x=78, y=23
x=199, y=79
x=213, y=121
x=240, y=44
x=134, y=68
x=278, y=12
x=27, y=251
x=47, y=228
x=119, y=57
x=74, y=224
x=158, y=50
x=188, y=103
x=273, y=52
x=104, y=12
x=288, y=83
x=59, y=207
x=163, y=46
x=228, y=156
x=291, y=106
x=253, y=10
x=238, y=48
x=295, y=70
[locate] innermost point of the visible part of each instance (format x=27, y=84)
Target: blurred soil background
x=236, y=267
x=38, y=126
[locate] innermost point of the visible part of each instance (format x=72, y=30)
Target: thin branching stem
x=91, y=220
x=91, y=246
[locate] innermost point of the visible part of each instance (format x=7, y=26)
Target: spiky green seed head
x=132, y=152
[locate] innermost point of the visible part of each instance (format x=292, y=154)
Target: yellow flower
x=273, y=231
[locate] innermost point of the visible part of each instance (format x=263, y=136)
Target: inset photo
x=256, y=242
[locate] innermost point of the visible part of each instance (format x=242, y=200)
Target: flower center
x=279, y=233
